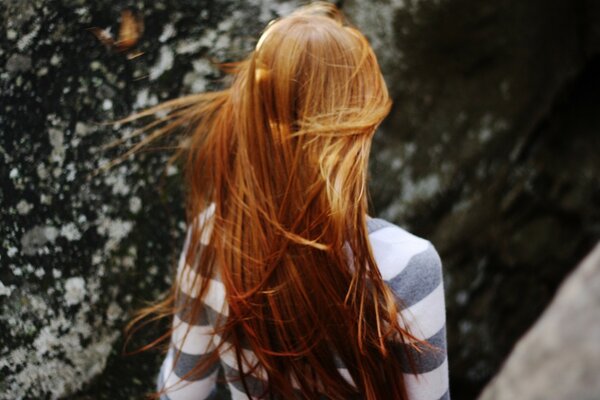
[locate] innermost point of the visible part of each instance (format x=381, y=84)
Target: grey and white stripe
x=408, y=264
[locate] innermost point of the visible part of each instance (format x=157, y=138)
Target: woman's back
x=409, y=265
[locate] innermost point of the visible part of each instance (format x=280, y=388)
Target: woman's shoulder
x=410, y=264
x=411, y=267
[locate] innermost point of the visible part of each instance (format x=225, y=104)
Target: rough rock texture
x=490, y=151
x=561, y=347
x=79, y=253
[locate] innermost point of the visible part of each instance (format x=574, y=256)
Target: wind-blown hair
x=281, y=157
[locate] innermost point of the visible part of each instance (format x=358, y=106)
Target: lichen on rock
x=79, y=252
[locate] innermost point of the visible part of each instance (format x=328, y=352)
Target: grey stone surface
x=559, y=358
x=490, y=152
x=79, y=254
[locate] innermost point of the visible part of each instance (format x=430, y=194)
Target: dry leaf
x=130, y=31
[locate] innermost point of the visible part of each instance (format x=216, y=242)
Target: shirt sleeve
x=420, y=289
x=191, y=343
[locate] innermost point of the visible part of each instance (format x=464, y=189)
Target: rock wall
x=80, y=252
x=562, y=347
x=490, y=151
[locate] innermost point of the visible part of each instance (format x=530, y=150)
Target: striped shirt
x=409, y=265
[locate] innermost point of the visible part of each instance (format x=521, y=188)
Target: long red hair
x=281, y=157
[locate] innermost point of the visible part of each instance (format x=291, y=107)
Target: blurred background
x=491, y=151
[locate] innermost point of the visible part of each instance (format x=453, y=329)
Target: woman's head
x=313, y=65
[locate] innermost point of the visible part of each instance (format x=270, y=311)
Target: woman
x=285, y=287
